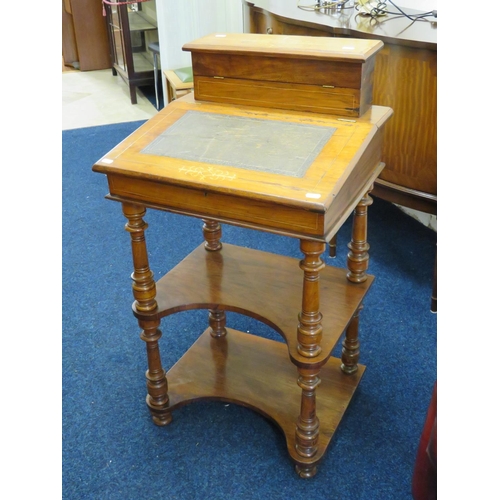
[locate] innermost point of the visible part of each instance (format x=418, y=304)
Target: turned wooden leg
x=309, y=330
x=350, y=346
x=307, y=429
x=212, y=233
x=357, y=258
x=144, y=290
x=332, y=247
x=217, y=322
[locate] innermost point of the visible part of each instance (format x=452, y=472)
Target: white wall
x=182, y=21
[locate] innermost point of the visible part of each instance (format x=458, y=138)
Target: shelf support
x=350, y=346
x=212, y=233
x=358, y=257
x=144, y=290
x=307, y=428
x=217, y=322
x=309, y=330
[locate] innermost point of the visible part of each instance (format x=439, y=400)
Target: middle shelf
x=261, y=285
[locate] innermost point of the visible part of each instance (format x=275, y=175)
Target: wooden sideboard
x=405, y=80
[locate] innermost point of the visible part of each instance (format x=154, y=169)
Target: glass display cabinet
x=131, y=28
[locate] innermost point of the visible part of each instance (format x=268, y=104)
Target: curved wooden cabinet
x=405, y=79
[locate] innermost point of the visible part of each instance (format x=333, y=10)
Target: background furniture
x=130, y=32
x=179, y=82
x=85, y=42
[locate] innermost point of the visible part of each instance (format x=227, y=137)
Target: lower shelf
x=257, y=373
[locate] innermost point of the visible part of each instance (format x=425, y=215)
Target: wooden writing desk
x=293, y=173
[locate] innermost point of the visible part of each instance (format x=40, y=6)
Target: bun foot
x=160, y=416
x=349, y=369
x=162, y=420
x=306, y=471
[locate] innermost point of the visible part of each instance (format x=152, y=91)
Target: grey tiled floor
x=92, y=98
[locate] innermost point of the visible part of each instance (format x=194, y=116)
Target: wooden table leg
x=212, y=233
x=357, y=258
x=309, y=330
x=309, y=333
x=144, y=290
x=307, y=429
x=217, y=322
x=357, y=263
x=350, y=346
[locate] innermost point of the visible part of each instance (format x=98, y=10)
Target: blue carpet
x=111, y=448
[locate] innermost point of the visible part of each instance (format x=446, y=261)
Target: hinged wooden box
x=316, y=74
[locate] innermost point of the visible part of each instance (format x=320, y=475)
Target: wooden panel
x=69, y=48
x=91, y=34
x=406, y=81
x=289, y=29
x=367, y=79
x=217, y=206
x=311, y=98
x=273, y=69
x=296, y=47
x=259, y=22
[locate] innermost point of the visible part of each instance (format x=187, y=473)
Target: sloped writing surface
x=276, y=147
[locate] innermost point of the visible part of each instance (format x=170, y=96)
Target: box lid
x=302, y=47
